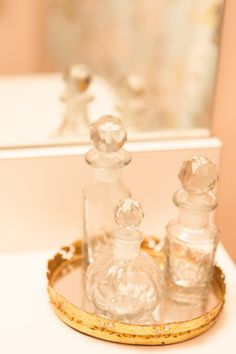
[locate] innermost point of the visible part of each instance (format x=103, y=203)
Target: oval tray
x=68, y=259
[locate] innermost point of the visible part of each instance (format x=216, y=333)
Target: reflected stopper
x=108, y=134
x=80, y=72
x=128, y=213
x=136, y=84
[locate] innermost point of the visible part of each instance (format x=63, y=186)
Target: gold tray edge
x=115, y=331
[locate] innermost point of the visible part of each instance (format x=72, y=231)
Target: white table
x=28, y=324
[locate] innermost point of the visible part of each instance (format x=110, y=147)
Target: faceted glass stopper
x=198, y=175
x=128, y=213
x=108, y=134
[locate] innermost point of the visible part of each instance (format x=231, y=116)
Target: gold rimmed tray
x=179, y=323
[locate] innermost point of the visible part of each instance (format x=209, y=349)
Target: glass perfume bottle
x=124, y=283
x=108, y=135
x=192, y=239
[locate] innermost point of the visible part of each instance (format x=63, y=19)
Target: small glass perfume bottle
x=124, y=283
x=108, y=135
x=191, y=239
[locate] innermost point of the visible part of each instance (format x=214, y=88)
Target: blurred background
x=173, y=61
x=155, y=59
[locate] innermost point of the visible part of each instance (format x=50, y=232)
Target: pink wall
x=224, y=127
x=21, y=36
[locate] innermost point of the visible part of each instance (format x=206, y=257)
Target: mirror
x=152, y=62
x=71, y=287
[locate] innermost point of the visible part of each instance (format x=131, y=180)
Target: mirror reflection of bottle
x=106, y=188
x=133, y=104
x=77, y=99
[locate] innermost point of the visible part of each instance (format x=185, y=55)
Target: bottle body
x=190, y=260
x=127, y=290
x=100, y=197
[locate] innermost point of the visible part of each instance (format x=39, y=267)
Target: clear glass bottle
x=192, y=239
x=124, y=283
x=106, y=188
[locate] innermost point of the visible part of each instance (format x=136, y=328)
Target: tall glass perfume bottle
x=124, y=283
x=191, y=239
x=108, y=135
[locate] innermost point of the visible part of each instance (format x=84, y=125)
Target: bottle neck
x=107, y=175
x=112, y=161
x=194, y=208
x=194, y=219
x=126, y=250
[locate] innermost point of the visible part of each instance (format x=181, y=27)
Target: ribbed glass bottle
x=124, y=283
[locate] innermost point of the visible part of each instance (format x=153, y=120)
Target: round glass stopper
x=108, y=134
x=128, y=213
x=198, y=175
